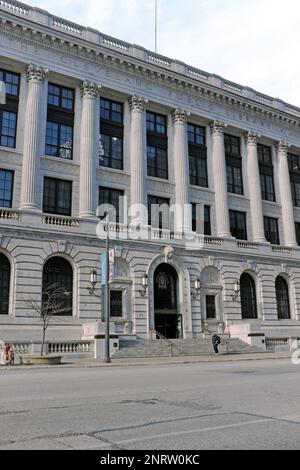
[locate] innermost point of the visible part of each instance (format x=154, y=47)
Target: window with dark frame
x=207, y=220
x=211, y=312
x=116, y=304
x=111, y=134
x=197, y=155
x=271, y=230
x=294, y=167
x=157, y=220
x=297, y=227
x=266, y=172
x=282, y=299
x=57, y=197
x=6, y=188
x=112, y=197
x=9, y=109
x=60, y=122
x=4, y=284
x=157, y=146
x=233, y=164
x=238, y=224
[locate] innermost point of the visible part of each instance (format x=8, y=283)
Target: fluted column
x=286, y=195
x=220, y=179
x=258, y=230
x=89, y=149
x=183, y=219
x=138, y=160
x=32, y=138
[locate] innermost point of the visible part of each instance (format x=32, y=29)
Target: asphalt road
x=238, y=405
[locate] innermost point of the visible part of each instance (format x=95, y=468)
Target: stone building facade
x=170, y=134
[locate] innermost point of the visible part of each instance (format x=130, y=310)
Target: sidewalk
x=151, y=361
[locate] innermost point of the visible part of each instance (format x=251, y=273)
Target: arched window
x=282, y=298
x=248, y=297
x=4, y=284
x=58, y=286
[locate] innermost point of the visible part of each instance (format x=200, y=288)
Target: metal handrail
x=162, y=340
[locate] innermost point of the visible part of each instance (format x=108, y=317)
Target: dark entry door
x=167, y=319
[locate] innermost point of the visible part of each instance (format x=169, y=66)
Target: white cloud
x=252, y=42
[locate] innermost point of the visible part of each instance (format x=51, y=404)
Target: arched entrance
x=58, y=285
x=248, y=297
x=282, y=298
x=4, y=284
x=167, y=317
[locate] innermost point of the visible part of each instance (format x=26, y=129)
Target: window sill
x=201, y=188
x=60, y=160
x=113, y=170
x=11, y=150
x=160, y=180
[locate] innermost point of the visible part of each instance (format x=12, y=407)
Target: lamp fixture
x=236, y=290
x=197, y=287
x=93, y=282
x=143, y=291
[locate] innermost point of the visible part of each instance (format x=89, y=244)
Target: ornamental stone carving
x=283, y=147
x=251, y=138
x=179, y=115
x=36, y=73
x=90, y=89
x=218, y=127
x=168, y=252
x=137, y=103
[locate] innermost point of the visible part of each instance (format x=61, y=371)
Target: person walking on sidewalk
x=216, y=341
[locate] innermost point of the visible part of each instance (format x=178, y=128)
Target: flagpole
x=156, y=12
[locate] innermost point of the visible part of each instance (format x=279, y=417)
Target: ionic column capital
x=90, y=89
x=180, y=116
x=218, y=127
x=282, y=147
x=137, y=103
x=251, y=138
x=36, y=73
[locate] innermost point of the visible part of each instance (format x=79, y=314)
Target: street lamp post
x=107, y=359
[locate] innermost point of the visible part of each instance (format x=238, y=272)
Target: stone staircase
x=141, y=348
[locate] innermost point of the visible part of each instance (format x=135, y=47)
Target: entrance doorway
x=167, y=317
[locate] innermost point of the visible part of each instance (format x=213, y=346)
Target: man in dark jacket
x=216, y=340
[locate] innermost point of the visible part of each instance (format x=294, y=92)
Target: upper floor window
x=60, y=97
x=197, y=214
x=271, y=230
x=158, y=212
x=238, y=225
x=6, y=188
x=111, y=134
x=60, y=122
x=197, y=156
x=297, y=226
x=112, y=197
x=57, y=196
x=157, y=162
x=111, y=111
x=233, y=164
x=266, y=172
x=156, y=123
x=294, y=166
x=196, y=134
x=9, y=109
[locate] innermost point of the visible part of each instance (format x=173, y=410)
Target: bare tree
x=52, y=304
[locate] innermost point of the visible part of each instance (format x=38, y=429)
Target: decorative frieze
x=179, y=115
x=217, y=127
x=90, y=89
x=36, y=73
x=137, y=103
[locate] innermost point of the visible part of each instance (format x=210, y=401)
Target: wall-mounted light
x=197, y=287
x=236, y=290
x=93, y=282
x=143, y=291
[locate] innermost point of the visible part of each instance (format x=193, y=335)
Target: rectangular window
x=60, y=122
x=6, y=188
x=266, y=172
x=57, y=196
x=297, y=227
x=271, y=230
x=158, y=218
x=116, y=304
x=211, y=312
x=294, y=167
x=9, y=109
x=296, y=193
x=111, y=197
x=238, y=225
x=196, y=135
x=199, y=214
x=197, y=156
x=156, y=123
x=111, y=134
x=233, y=164
x=157, y=162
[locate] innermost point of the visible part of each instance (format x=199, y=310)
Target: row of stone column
x=89, y=157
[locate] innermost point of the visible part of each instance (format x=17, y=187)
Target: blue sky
x=252, y=42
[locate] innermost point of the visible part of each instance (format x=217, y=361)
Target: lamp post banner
x=111, y=265
x=103, y=269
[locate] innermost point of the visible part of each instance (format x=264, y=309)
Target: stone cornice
x=137, y=103
x=251, y=138
x=180, y=116
x=282, y=147
x=90, y=89
x=36, y=73
x=217, y=127
x=76, y=46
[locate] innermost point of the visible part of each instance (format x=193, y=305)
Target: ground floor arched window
x=4, y=284
x=282, y=299
x=248, y=297
x=58, y=286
